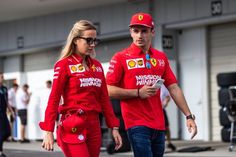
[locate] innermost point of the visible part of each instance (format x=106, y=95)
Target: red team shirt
x=80, y=89
x=127, y=70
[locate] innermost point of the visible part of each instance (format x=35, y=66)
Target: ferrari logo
x=74, y=130
x=153, y=61
x=140, y=17
x=93, y=67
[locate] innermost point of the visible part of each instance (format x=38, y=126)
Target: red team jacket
x=80, y=89
x=128, y=70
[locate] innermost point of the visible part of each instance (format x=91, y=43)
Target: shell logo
x=140, y=17
x=73, y=68
x=131, y=64
x=80, y=67
x=140, y=62
x=73, y=130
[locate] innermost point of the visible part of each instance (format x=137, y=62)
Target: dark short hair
x=26, y=86
x=15, y=85
x=49, y=82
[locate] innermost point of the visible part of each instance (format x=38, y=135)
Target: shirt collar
x=135, y=50
x=79, y=59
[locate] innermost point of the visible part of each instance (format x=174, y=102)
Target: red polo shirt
x=80, y=89
x=128, y=70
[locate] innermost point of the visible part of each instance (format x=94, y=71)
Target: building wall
x=46, y=30
x=173, y=11
x=179, y=15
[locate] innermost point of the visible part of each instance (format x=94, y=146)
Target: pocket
x=72, y=129
x=58, y=135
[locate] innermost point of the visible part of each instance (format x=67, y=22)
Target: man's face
x=25, y=89
x=142, y=36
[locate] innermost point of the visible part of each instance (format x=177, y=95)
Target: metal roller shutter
x=41, y=60
x=222, y=40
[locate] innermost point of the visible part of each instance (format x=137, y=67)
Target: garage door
x=105, y=50
x=41, y=60
x=222, y=59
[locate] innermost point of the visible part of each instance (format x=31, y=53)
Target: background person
x=80, y=80
x=5, y=130
x=22, y=101
x=131, y=75
x=165, y=99
x=12, y=102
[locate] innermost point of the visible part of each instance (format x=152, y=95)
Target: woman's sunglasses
x=90, y=41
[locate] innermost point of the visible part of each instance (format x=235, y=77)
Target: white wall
x=194, y=79
x=38, y=102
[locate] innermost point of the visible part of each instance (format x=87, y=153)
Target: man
x=4, y=123
x=22, y=101
x=12, y=103
x=131, y=75
x=165, y=99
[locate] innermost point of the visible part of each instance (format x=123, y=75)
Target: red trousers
x=89, y=148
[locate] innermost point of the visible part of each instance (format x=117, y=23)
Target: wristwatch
x=191, y=116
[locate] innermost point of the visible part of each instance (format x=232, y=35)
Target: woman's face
x=86, y=43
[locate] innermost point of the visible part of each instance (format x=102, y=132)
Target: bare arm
x=178, y=96
x=179, y=99
x=121, y=93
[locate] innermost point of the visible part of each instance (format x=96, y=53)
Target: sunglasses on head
x=148, y=64
x=90, y=40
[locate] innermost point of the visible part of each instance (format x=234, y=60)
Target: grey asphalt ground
x=33, y=149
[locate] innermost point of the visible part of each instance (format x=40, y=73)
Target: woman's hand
x=117, y=138
x=48, y=141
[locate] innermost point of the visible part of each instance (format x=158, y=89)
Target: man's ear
x=130, y=29
x=153, y=32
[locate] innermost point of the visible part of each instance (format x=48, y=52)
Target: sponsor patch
x=146, y=79
x=78, y=68
x=161, y=62
x=140, y=17
x=135, y=63
x=85, y=82
x=153, y=61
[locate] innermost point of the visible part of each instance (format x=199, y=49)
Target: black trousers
x=5, y=130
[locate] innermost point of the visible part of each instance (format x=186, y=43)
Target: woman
x=80, y=80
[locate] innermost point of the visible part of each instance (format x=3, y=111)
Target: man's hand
x=147, y=91
x=192, y=127
x=48, y=141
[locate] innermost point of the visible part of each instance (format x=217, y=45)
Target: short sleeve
x=168, y=75
x=115, y=70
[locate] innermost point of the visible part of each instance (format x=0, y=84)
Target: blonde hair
x=76, y=31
